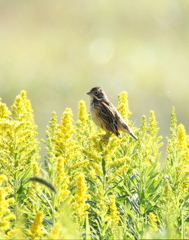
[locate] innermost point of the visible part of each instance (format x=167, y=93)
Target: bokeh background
x=58, y=50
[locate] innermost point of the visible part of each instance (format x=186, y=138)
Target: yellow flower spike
x=22, y=107
x=65, y=145
x=114, y=213
x=92, y=156
x=5, y=225
x=11, y=234
x=152, y=219
x=143, y=128
x=26, y=101
x=51, y=140
x=82, y=114
x=91, y=173
x=60, y=170
x=182, y=136
x=97, y=143
x=111, y=148
x=3, y=204
x=6, y=217
x=10, y=217
x=119, y=172
x=168, y=190
x=35, y=230
x=101, y=199
x=187, y=140
x=64, y=192
x=80, y=198
x=67, y=121
x=80, y=164
x=123, y=106
x=97, y=168
x=120, y=161
x=5, y=127
x=62, y=180
x=35, y=168
x=153, y=124
x=173, y=125
x=10, y=200
x=4, y=111
x=20, y=145
x=2, y=178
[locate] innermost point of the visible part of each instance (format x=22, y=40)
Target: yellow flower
x=143, y=128
x=35, y=230
x=5, y=225
x=123, y=106
x=2, y=178
x=120, y=161
x=10, y=200
x=96, y=167
x=60, y=170
x=182, y=136
x=91, y=173
x=152, y=219
x=50, y=143
x=22, y=107
x=173, y=125
x=10, y=217
x=65, y=144
x=66, y=127
x=187, y=140
x=80, y=198
x=153, y=124
x=80, y=164
x=92, y=156
x=35, y=168
x=62, y=180
x=111, y=148
x=4, y=111
x=82, y=114
x=3, y=203
x=114, y=213
x=12, y=233
x=6, y=217
x=119, y=172
x=18, y=142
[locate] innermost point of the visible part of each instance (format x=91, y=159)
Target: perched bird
x=105, y=115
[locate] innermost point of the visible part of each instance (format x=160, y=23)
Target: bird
x=105, y=115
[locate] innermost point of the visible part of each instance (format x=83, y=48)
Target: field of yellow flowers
x=112, y=189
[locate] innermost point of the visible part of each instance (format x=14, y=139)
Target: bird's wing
x=108, y=116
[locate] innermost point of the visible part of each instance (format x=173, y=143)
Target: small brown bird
x=105, y=115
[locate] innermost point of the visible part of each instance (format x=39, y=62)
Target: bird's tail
x=133, y=135
x=129, y=131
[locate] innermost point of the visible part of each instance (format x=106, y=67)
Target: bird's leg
x=106, y=137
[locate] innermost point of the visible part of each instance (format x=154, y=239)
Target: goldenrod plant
x=88, y=185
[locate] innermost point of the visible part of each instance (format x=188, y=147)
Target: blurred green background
x=58, y=50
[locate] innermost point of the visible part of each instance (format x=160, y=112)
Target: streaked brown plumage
x=105, y=115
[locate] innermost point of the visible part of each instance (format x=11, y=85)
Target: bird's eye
x=96, y=93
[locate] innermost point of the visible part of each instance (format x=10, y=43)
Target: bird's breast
x=95, y=115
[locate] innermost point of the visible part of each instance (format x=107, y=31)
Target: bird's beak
x=89, y=93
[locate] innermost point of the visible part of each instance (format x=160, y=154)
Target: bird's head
x=98, y=94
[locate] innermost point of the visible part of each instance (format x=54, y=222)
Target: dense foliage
x=106, y=189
